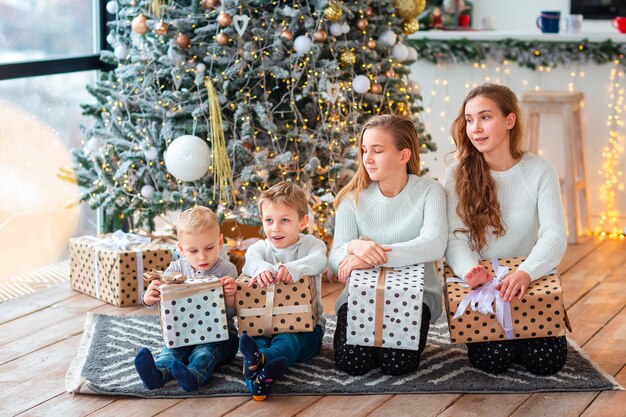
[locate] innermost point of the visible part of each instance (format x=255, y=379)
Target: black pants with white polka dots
x=357, y=360
x=541, y=356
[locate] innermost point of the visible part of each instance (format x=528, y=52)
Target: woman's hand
x=152, y=294
x=515, y=282
x=476, y=276
x=369, y=251
x=349, y=264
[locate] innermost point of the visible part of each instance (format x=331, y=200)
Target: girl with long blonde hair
x=503, y=202
x=387, y=215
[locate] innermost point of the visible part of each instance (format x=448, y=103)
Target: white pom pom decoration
x=151, y=153
x=120, y=51
x=147, y=191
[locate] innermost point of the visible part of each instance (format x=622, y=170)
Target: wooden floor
x=41, y=332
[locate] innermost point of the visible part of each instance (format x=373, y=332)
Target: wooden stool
x=575, y=183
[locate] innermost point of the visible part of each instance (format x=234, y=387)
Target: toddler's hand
x=230, y=289
x=152, y=294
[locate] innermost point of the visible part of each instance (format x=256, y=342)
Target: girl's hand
x=152, y=294
x=478, y=275
x=349, y=264
x=283, y=275
x=515, y=282
x=230, y=289
x=264, y=279
x=369, y=251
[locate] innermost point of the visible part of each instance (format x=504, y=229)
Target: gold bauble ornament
x=162, y=28
x=333, y=12
x=376, y=88
x=224, y=19
x=369, y=12
x=210, y=4
x=410, y=26
x=371, y=44
x=139, y=24
x=409, y=9
x=390, y=73
x=183, y=41
x=286, y=33
x=348, y=57
x=320, y=36
x=334, y=117
x=222, y=39
x=362, y=24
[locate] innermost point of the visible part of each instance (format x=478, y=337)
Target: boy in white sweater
x=284, y=256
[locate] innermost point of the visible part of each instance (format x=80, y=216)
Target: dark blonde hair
x=478, y=205
x=288, y=194
x=404, y=135
x=196, y=220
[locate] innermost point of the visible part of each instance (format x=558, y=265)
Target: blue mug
x=549, y=22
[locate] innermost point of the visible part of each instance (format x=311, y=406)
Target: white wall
x=593, y=80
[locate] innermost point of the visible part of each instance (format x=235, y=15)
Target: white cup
x=488, y=23
x=574, y=24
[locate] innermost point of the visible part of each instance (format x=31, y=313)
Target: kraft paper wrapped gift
x=110, y=267
x=193, y=312
x=279, y=308
x=480, y=314
x=385, y=307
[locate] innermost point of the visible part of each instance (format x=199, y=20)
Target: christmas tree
x=294, y=82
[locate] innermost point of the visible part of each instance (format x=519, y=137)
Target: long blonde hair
x=478, y=205
x=404, y=135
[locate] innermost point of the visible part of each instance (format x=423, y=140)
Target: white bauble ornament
x=112, y=7
x=345, y=28
x=387, y=38
x=188, y=158
x=200, y=68
x=361, y=84
x=302, y=44
x=120, y=51
x=147, y=191
x=400, y=51
x=151, y=153
x=412, y=54
x=111, y=39
x=93, y=145
x=165, y=195
x=336, y=29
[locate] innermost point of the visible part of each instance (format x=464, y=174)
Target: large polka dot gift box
x=110, y=267
x=193, y=312
x=278, y=308
x=479, y=314
x=385, y=307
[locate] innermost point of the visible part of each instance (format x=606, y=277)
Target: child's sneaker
x=253, y=360
x=271, y=371
x=151, y=376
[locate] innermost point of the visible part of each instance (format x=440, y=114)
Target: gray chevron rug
x=104, y=365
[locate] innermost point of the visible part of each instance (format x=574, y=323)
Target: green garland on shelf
x=530, y=54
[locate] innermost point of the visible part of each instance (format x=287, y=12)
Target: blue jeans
x=295, y=347
x=201, y=360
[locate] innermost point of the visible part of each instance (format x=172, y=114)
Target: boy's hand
x=369, y=251
x=283, y=275
x=264, y=279
x=478, y=275
x=515, y=282
x=349, y=264
x=230, y=289
x=152, y=294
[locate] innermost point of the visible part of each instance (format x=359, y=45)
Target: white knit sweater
x=413, y=224
x=532, y=213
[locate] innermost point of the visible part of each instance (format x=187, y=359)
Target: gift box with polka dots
x=193, y=312
x=541, y=313
x=279, y=308
x=385, y=307
x=112, y=275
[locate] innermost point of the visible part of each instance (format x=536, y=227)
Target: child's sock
x=186, y=379
x=270, y=372
x=151, y=376
x=252, y=359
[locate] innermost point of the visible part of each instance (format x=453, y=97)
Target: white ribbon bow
x=481, y=299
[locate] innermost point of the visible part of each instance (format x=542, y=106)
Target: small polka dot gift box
x=110, y=267
x=279, y=308
x=385, y=307
x=480, y=314
x=193, y=312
